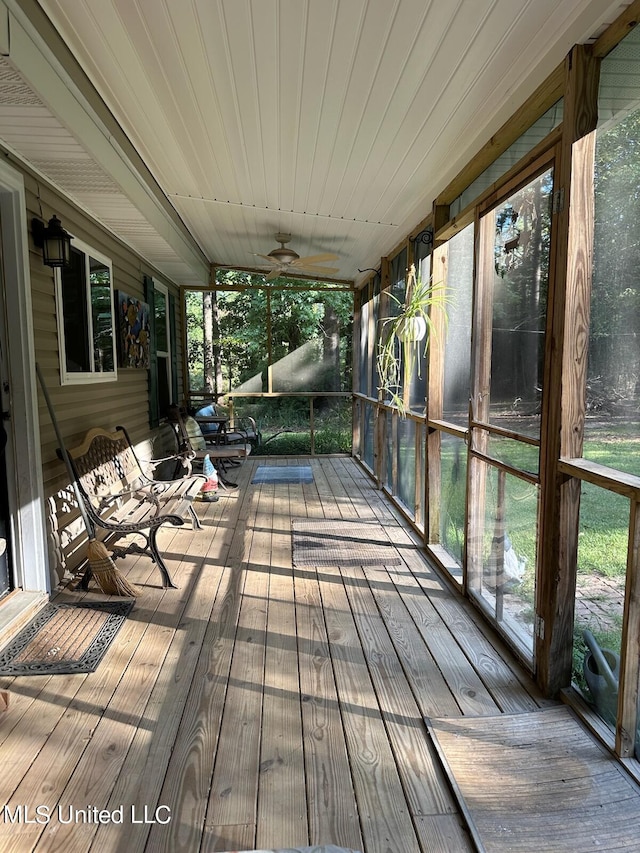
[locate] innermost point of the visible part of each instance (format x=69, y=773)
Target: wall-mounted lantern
x=54, y=241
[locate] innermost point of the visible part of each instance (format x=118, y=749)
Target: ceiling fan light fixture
x=284, y=256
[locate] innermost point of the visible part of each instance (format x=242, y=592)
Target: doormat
x=323, y=848
x=537, y=782
x=283, y=474
x=335, y=542
x=64, y=638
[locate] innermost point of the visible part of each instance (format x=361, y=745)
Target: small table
x=219, y=435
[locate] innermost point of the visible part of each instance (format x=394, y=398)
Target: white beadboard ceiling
x=337, y=121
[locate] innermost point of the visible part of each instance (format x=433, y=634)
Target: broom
x=101, y=565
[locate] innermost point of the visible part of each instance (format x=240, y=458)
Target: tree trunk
x=207, y=343
x=218, y=389
x=331, y=347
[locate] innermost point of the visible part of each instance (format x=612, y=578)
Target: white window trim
x=89, y=377
x=23, y=452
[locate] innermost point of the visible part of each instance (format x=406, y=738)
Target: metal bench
x=122, y=499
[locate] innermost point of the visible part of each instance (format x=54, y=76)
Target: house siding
x=78, y=408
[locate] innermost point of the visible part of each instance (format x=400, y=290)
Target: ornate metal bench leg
x=167, y=583
x=197, y=525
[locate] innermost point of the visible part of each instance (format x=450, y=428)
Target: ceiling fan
x=283, y=260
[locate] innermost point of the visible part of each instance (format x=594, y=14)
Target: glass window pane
x=311, y=340
x=102, y=317
x=453, y=490
x=517, y=454
x=522, y=241
x=364, y=367
x=332, y=425
x=519, y=149
x=161, y=316
x=375, y=309
x=389, y=451
x=503, y=553
x=406, y=461
x=602, y=565
x=457, y=345
x=244, y=348
x=613, y=385
x=285, y=424
x=368, y=436
x=74, y=304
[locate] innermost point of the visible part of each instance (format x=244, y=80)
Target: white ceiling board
x=338, y=121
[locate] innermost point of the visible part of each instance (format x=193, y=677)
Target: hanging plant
x=404, y=338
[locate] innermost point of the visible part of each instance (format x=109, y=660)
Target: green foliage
x=288, y=444
x=310, y=334
x=399, y=350
x=614, y=357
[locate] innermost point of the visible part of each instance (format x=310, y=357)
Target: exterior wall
x=80, y=407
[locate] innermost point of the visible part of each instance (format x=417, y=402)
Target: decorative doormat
x=537, y=782
x=335, y=542
x=64, y=638
x=283, y=474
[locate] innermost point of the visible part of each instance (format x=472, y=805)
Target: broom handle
x=65, y=457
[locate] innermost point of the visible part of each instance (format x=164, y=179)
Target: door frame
x=23, y=452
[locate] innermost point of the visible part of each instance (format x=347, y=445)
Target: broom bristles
x=108, y=578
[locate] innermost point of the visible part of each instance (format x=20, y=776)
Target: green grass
x=298, y=443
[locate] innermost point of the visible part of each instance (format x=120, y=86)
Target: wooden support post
x=630, y=645
x=563, y=405
x=433, y=499
x=480, y=398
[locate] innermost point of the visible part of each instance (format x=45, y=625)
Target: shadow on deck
x=261, y=705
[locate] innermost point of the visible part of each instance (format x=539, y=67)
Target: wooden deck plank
x=188, y=777
x=428, y=684
x=384, y=813
x=423, y=781
x=144, y=769
x=464, y=682
x=444, y=832
x=97, y=771
x=59, y=723
x=332, y=808
x=282, y=806
x=233, y=796
x=266, y=705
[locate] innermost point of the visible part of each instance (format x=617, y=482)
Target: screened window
x=84, y=293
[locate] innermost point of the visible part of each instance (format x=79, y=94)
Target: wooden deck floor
x=259, y=706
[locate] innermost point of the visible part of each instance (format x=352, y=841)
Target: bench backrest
x=105, y=463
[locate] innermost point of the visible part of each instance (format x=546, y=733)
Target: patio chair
x=218, y=427
x=193, y=445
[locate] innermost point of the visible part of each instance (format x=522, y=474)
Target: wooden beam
x=537, y=104
x=563, y=406
x=621, y=27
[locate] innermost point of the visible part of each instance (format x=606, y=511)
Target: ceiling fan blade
x=274, y=273
x=314, y=259
x=271, y=261
x=316, y=270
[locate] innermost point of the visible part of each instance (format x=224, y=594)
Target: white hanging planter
x=412, y=329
